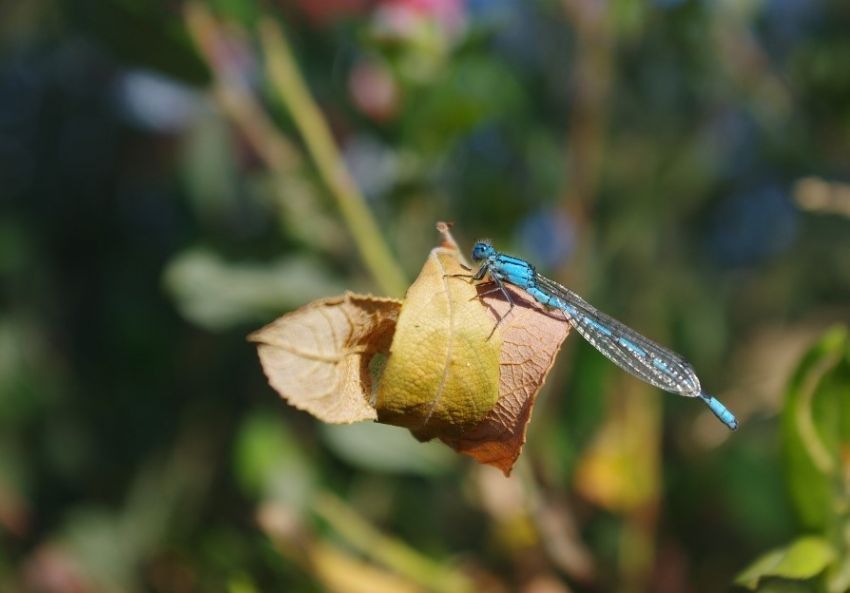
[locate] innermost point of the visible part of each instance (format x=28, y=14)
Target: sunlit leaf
x=803, y=559
x=815, y=428
x=838, y=576
x=318, y=357
x=619, y=470
x=778, y=586
x=387, y=550
x=442, y=376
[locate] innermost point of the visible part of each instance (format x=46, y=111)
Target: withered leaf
x=318, y=356
x=457, y=372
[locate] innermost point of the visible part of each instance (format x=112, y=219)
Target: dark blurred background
x=684, y=164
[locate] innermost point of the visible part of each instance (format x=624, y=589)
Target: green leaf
x=217, y=294
x=815, y=428
x=269, y=462
x=838, y=577
x=805, y=558
x=244, y=12
x=471, y=91
x=380, y=448
x=777, y=586
x=241, y=584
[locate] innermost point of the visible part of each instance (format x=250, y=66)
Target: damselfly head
x=482, y=250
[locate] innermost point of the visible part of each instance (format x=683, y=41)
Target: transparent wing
x=632, y=352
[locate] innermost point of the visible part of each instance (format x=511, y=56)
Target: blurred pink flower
x=373, y=89
x=52, y=569
x=401, y=18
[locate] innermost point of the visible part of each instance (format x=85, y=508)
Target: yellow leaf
x=318, y=356
x=619, y=470
x=442, y=376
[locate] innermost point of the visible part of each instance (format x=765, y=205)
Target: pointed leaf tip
x=803, y=559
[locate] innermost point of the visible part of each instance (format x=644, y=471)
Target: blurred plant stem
x=294, y=196
x=554, y=522
x=635, y=419
x=620, y=472
x=395, y=566
x=642, y=417
x=237, y=100
x=590, y=83
x=287, y=81
x=280, y=155
x=748, y=65
x=389, y=552
x=332, y=565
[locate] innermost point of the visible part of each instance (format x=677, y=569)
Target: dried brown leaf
x=318, y=356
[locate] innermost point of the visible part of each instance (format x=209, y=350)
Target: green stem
x=286, y=79
x=387, y=551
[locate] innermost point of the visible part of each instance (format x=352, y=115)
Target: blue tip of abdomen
x=722, y=412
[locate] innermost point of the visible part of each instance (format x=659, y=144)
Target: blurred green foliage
x=681, y=163
x=815, y=435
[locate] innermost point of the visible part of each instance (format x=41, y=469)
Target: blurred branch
x=553, y=519
x=641, y=416
x=236, y=100
x=748, y=65
x=562, y=542
x=591, y=82
x=620, y=472
x=392, y=553
x=280, y=156
x=287, y=81
x=336, y=569
x=630, y=435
